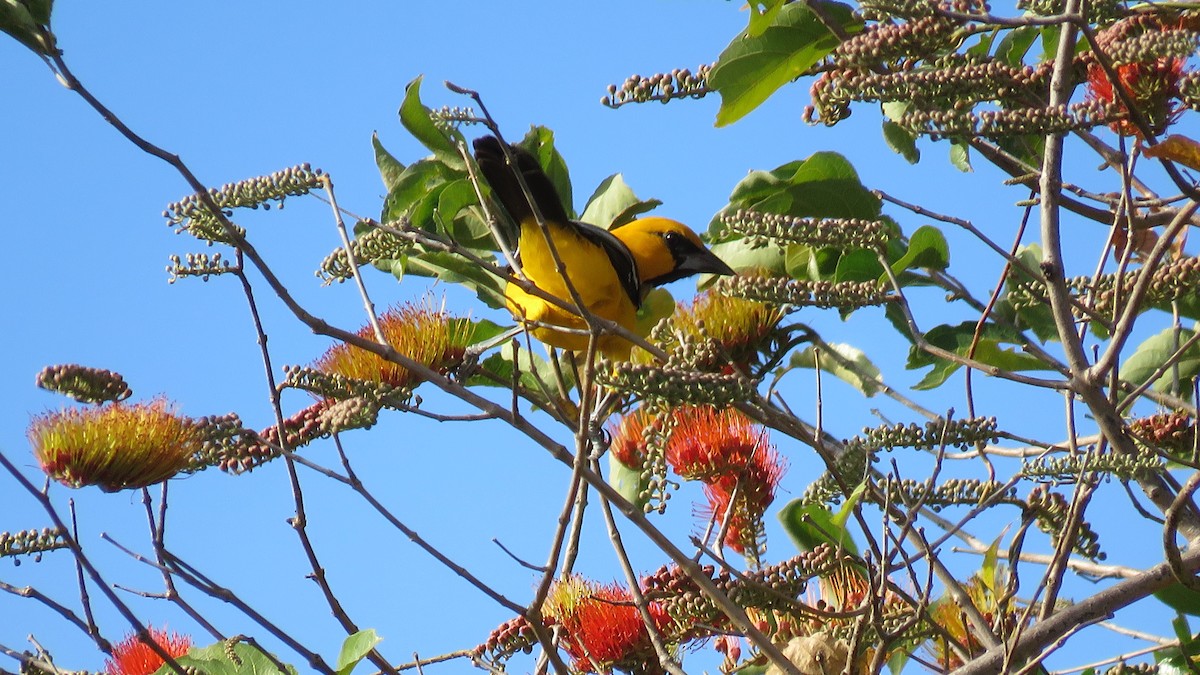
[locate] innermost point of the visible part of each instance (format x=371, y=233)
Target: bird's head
x=667, y=250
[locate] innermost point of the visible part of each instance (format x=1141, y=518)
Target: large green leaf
x=355, y=648
x=466, y=226
x=761, y=59
x=743, y=257
x=215, y=660
x=455, y=269
x=390, y=169
x=858, y=370
x=413, y=187
x=613, y=204
x=927, y=249
x=1157, y=350
x=989, y=349
x=440, y=139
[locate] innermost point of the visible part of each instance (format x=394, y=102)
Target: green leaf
x=628, y=481
x=656, y=306
x=455, y=269
x=741, y=256
x=470, y=230
x=960, y=156
x=810, y=525
x=858, y=265
x=927, y=249
x=902, y=141
x=536, y=373
x=24, y=21
x=859, y=373
x=613, y=204
x=762, y=13
x=540, y=143
x=214, y=660
x=754, y=66
x=414, y=187
x=1015, y=45
x=481, y=330
x=1037, y=318
x=390, y=169
x=1180, y=598
x=418, y=119
x=355, y=648
x=958, y=339
x=1155, y=351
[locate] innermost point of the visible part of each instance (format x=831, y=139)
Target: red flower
x=1152, y=86
x=709, y=444
x=132, y=656
x=602, y=627
x=628, y=439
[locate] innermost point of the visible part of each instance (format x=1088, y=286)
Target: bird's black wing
x=618, y=254
x=507, y=188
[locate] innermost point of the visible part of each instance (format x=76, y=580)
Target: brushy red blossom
x=602, y=628
x=132, y=656
x=430, y=337
x=707, y=444
x=1153, y=86
x=628, y=438
x=115, y=446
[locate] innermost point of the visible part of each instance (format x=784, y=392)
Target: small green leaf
x=958, y=339
x=469, y=230
x=754, y=66
x=927, y=249
x=858, y=265
x=859, y=372
x=1015, y=45
x=355, y=648
x=536, y=373
x=455, y=269
x=741, y=256
x=25, y=21
x=413, y=188
x=656, y=306
x=418, y=119
x=902, y=141
x=1180, y=598
x=1157, y=350
x=613, y=204
x=960, y=156
x=390, y=169
x=628, y=481
x=540, y=143
x=812, y=525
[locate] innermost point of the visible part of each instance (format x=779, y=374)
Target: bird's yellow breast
x=593, y=278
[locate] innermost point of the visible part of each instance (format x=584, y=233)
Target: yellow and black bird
x=611, y=271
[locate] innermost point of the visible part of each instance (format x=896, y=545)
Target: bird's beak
x=704, y=261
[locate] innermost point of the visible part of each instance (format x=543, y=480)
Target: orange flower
x=427, y=336
x=602, y=628
x=1152, y=86
x=628, y=438
x=113, y=446
x=707, y=444
x=132, y=656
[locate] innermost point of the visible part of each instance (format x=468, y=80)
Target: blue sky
x=245, y=89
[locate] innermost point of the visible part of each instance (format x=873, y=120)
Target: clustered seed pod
x=86, y=385
x=1000, y=123
x=851, y=465
x=351, y=413
x=449, y=117
x=507, y=640
x=762, y=228
x=952, y=492
x=1174, y=432
x=191, y=215
x=25, y=542
x=934, y=434
x=369, y=248
x=1100, y=12
x=676, y=385
x=789, y=293
x=197, y=265
x=334, y=387
x=679, y=83
x=1171, y=280
x=1069, y=468
x=1050, y=510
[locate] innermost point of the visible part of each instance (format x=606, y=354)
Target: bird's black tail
x=508, y=190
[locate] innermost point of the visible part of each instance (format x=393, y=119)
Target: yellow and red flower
x=602, y=628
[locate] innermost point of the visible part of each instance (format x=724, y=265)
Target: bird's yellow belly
x=592, y=277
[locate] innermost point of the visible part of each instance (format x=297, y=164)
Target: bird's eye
x=671, y=237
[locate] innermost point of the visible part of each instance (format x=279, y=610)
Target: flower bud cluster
x=192, y=215
x=1100, y=12
x=999, y=123
x=804, y=293
x=761, y=228
x=197, y=265
x=1171, y=280
x=888, y=10
x=894, y=43
x=851, y=466
x=507, y=640
x=449, y=117
x=953, y=492
x=1154, y=45
x=935, y=434
x=1069, y=468
x=336, y=387
x=231, y=447
x=25, y=542
x=86, y=385
x=952, y=84
x=679, y=83
x=360, y=412
x=676, y=385
x=1189, y=89
x=1174, y=432
x=368, y=248
x=1050, y=509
